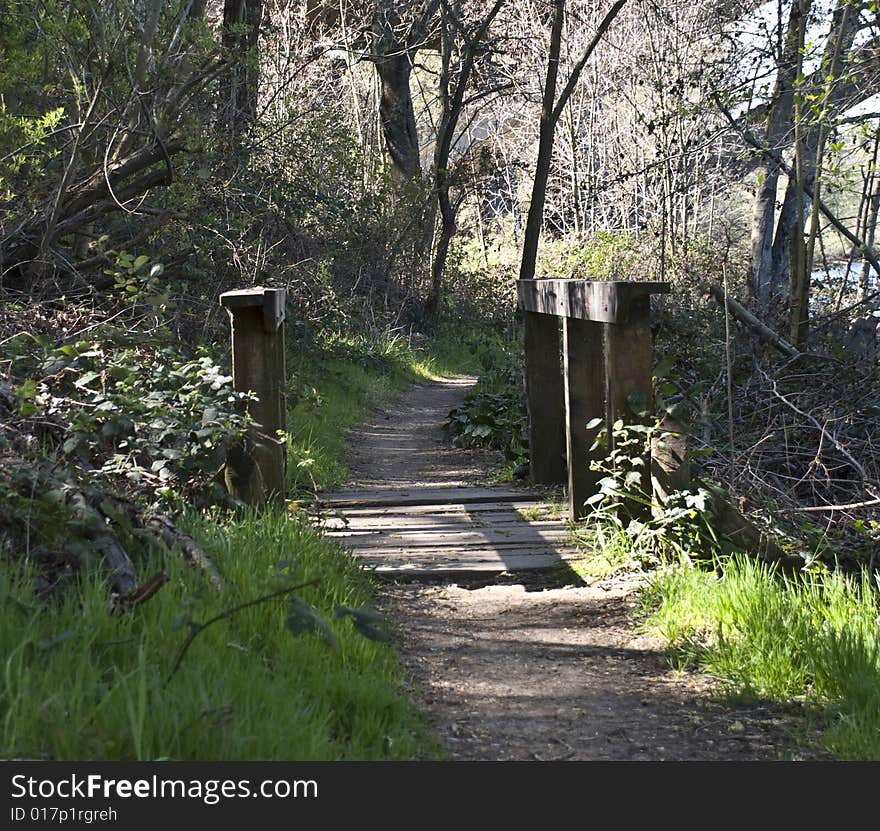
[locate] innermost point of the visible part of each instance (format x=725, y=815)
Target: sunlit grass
x=80, y=682
x=811, y=638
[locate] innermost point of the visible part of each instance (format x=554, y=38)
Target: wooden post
x=628, y=373
x=584, y=373
x=545, y=399
x=257, y=470
x=614, y=381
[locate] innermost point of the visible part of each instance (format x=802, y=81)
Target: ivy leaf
x=86, y=379
x=664, y=365
x=368, y=623
x=302, y=619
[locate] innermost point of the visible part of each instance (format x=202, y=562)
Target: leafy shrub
x=494, y=414
x=132, y=412
x=491, y=420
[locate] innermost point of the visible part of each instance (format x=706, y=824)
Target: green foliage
x=811, y=637
x=627, y=526
x=133, y=411
x=608, y=255
x=494, y=413
x=247, y=689
x=24, y=152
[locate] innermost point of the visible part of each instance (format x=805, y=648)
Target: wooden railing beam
x=596, y=300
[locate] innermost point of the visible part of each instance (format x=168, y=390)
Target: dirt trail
x=521, y=670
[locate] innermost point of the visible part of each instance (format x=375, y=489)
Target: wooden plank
x=545, y=396
x=402, y=545
x=597, y=300
x=584, y=373
x=439, y=523
x=486, y=552
x=418, y=496
x=489, y=565
x=450, y=509
x=362, y=540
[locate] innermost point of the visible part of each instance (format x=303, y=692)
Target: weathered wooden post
x=546, y=399
x=257, y=470
x=583, y=368
x=628, y=357
x=606, y=369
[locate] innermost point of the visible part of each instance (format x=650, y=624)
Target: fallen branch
x=142, y=594
x=729, y=522
x=163, y=531
x=868, y=503
x=123, y=577
x=744, y=316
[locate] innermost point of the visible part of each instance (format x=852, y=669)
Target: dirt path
x=519, y=670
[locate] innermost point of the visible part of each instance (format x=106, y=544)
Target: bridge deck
x=446, y=531
x=412, y=508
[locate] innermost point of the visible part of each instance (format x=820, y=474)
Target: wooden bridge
x=413, y=507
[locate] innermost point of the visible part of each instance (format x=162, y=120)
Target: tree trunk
x=762, y=285
x=870, y=224
x=394, y=48
x=787, y=248
x=452, y=106
x=397, y=114
x=551, y=110
x=545, y=148
x=241, y=32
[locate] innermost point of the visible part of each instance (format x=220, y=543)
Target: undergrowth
x=80, y=682
x=811, y=637
x=494, y=413
x=304, y=676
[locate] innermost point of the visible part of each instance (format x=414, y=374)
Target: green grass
x=80, y=682
x=812, y=638
x=335, y=389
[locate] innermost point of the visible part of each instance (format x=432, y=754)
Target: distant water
x=826, y=285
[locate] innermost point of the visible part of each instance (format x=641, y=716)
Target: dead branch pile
x=807, y=450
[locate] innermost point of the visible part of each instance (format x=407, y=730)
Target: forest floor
x=534, y=666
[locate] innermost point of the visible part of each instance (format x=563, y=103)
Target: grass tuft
x=811, y=638
x=80, y=682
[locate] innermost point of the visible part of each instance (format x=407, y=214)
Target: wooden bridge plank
x=449, y=509
x=448, y=538
x=419, y=496
x=438, y=568
x=439, y=524
x=367, y=538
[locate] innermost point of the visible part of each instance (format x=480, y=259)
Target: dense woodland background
x=396, y=166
